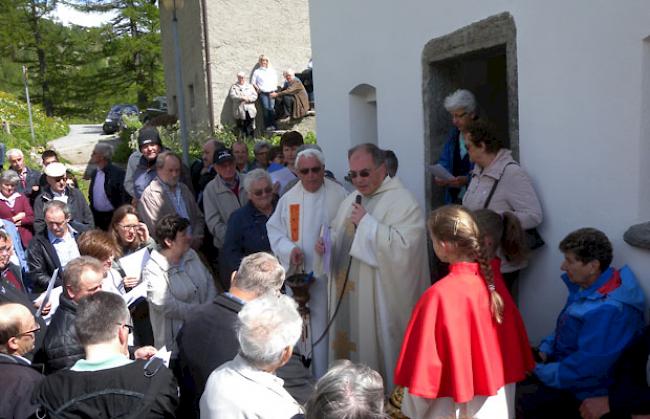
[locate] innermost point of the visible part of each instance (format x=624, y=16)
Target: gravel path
x=77, y=146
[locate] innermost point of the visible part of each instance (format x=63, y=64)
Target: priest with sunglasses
x=379, y=264
x=302, y=217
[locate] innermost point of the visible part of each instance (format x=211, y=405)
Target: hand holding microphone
x=358, y=211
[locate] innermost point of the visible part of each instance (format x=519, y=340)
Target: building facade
x=567, y=83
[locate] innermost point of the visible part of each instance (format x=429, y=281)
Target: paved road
x=77, y=146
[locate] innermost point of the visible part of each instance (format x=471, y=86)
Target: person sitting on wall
x=265, y=80
x=243, y=96
x=603, y=313
x=292, y=98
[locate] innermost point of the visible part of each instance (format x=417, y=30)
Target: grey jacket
x=172, y=291
x=219, y=202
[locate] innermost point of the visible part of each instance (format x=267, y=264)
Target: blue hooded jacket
x=592, y=330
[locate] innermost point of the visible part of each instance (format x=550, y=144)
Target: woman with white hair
x=269, y=327
x=293, y=101
x=243, y=96
x=246, y=233
x=461, y=106
x=15, y=207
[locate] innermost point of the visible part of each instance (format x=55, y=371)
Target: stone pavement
x=77, y=146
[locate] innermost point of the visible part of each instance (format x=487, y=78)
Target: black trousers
x=102, y=218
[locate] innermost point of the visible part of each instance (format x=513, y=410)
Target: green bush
x=14, y=112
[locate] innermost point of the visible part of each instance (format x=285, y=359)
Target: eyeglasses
x=363, y=173
x=29, y=331
x=128, y=226
x=314, y=170
x=458, y=115
x=128, y=326
x=60, y=178
x=261, y=192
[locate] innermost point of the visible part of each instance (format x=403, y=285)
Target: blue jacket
x=594, y=327
x=246, y=234
x=450, y=160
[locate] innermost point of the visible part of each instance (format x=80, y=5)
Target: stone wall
x=237, y=33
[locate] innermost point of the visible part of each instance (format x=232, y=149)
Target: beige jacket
x=155, y=204
x=243, y=100
x=219, y=202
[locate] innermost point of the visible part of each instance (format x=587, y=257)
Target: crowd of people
x=278, y=103
x=269, y=288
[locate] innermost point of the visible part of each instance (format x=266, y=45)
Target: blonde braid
x=496, y=302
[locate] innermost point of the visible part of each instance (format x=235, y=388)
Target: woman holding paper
x=100, y=245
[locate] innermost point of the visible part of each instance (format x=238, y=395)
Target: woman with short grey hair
x=15, y=206
x=461, y=106
x=246, y=232
x=348, y=390
x=269, y=327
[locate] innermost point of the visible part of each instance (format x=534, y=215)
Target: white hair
x=241, y=74
x=311, y=152
x=460, y=99
x=255, y=175
x=289, y=72
x=267, y=326
x=14, y=152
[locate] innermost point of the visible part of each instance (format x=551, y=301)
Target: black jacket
x=213, y=325
x=18, y=382
x=42, y=260
x=630, y=394
x=81, y=218
x=133, y=391
x=61, y=347
x=113, y=186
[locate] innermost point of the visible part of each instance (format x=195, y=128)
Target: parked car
x=156, y=108
x=113, y=122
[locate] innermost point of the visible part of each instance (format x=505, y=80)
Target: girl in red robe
x=465, y=346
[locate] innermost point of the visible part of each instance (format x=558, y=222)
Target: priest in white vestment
x=302, y=216
x=379, y=265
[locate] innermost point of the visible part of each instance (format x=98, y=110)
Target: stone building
x=219, y=38
x=568, y=83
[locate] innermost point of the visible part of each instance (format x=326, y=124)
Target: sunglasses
x=310, y=169
x=60, y=178
x=260, y=192
x=363, y=173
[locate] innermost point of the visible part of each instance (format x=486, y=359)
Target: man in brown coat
x=292, y=98
x=166, y=195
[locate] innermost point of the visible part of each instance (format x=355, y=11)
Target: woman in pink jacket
x=498, y=182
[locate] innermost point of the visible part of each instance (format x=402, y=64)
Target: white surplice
x=385, y=262
x=315, y=210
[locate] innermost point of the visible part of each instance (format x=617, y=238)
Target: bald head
x=17, y=325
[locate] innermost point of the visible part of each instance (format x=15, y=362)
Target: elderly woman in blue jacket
x=603, y=313
x=461, y=106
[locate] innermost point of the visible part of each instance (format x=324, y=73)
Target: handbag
x=534, y=240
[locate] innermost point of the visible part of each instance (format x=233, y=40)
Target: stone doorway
x=482, y=58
